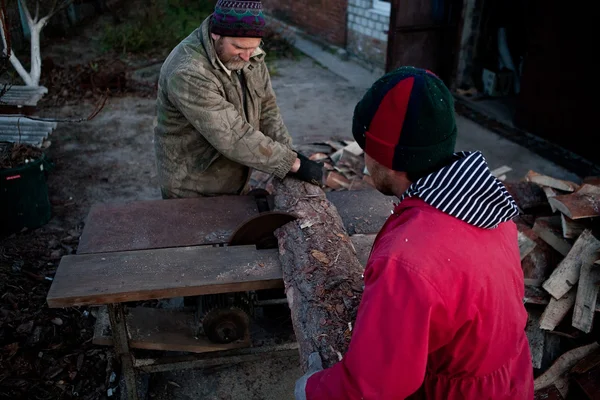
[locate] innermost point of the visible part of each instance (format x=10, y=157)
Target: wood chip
x=337, y=181
x=566, y=274
x=585, y=203
x=501, y=171
x=318, y=156
x=321, y=257
x=549, y=181
x=354, y=148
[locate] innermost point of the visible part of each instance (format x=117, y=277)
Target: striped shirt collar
x=466, y=189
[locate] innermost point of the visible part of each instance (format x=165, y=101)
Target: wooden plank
x=571, y=229
x=549, y=181
x=587, y=296
x=162, y=273
x=556, y=310
x=566, y=274
x=536, y=338
x=157, y=224
x=563, y=365
x=362, y=246
x=550, y=230
x=162, y=329
x=585, y=203
x=526, y=245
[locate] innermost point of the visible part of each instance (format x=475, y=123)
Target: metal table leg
x=121, y=344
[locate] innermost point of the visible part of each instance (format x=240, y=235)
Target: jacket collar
x=257, y=57
x=467, y=190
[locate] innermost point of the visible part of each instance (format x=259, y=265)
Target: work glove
x=314, y=365
x=310, y=171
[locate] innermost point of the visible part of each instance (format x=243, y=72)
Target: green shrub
x=159, y=26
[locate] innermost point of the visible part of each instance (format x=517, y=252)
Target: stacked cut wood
x=343, y=161
x=560, y=252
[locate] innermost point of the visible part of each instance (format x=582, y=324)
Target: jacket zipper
x=242, y=80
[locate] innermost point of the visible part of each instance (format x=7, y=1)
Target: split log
x=587, y=295
x=571, y=229
x=549, y=194
x=584, y=203
x=550, y=230
x=563, y=365
x=549, y=181
x=566, y=274
x=557, y=310
x=321, y=271
x=536, y=338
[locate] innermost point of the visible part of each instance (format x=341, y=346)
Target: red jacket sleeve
x=399, y=322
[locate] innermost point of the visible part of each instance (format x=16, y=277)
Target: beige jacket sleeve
x=217, y=120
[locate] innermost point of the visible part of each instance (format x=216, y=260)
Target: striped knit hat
x=238, y=19
x=406, y=122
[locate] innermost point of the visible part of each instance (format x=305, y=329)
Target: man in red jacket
x=442, y=313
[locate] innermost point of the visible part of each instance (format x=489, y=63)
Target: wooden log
x=549, y=181
x=585, y=203
x=566, y=274
x=321, y=271
x=526, y=245
x=587, y=295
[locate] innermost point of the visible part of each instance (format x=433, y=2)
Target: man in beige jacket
x=217, y=116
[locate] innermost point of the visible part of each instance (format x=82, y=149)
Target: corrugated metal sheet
x=19, y=129
x=23, y=95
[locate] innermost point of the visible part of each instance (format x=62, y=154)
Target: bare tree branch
x=99, y=107
x=26, y=11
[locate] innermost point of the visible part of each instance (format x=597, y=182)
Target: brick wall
x=367, y=32
x=325, y=19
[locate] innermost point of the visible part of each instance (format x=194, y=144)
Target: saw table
x=161, y=249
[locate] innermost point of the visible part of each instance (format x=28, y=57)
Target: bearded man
x=217, y=116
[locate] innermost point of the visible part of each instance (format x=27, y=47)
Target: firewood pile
x=342, y=159
x=560, y=253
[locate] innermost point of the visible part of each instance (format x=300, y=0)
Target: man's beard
x=235, y=63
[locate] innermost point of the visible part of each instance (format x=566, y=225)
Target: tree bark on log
x=322, y=274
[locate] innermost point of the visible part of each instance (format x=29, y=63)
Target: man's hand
x=314, y=365
x=308, y=170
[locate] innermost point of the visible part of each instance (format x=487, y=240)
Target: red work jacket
x=441, y=317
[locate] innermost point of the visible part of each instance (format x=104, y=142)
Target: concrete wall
x=324, y=19
x=367, y=32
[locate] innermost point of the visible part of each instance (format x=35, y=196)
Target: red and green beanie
x=406, y=122
x=238, y=19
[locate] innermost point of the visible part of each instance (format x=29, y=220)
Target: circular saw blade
x=259, y=229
